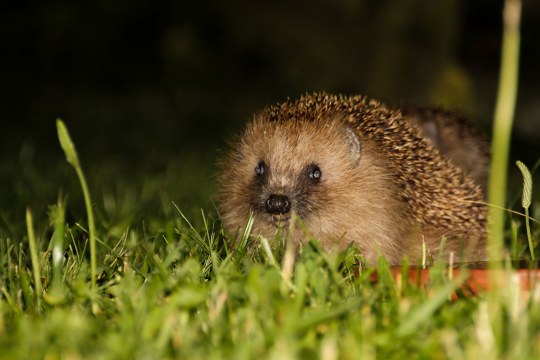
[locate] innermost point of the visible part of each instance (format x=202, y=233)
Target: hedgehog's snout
x=278, y=204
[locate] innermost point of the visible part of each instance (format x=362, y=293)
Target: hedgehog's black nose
x=278, y=204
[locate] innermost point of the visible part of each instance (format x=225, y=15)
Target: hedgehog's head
x=318, y=169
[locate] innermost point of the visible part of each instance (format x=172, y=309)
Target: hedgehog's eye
x=260, y=169
x=315, y=173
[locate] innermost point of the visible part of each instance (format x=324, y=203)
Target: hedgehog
x=350, y=171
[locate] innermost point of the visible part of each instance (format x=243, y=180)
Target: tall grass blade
x=503, y=118
x=56, y=295
x=34, y=256
x=73, y=159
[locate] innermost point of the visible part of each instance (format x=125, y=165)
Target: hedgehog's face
x=278, y=169
x=278, y=193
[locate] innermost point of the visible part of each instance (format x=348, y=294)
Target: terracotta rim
x=478, y=278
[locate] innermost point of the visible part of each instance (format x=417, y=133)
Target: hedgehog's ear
x=355, y=145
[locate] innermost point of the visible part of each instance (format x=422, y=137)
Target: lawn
x=167, y=284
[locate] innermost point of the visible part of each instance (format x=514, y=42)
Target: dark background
x=152, y=88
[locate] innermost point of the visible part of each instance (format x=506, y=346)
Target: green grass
x=169, y=287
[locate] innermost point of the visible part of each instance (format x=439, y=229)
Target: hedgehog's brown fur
x=399, y=191
x=456, y=138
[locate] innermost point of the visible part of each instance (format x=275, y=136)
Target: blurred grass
x=168, y=287
x=502, y=127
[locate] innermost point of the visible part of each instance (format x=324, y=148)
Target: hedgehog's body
x=456, y=138
x=355, y=172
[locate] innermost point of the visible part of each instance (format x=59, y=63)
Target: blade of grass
x=58, y=244
x=56, y=293
x=500, y=144
x=34, y=257
x=503, y=118
x=73, y=159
